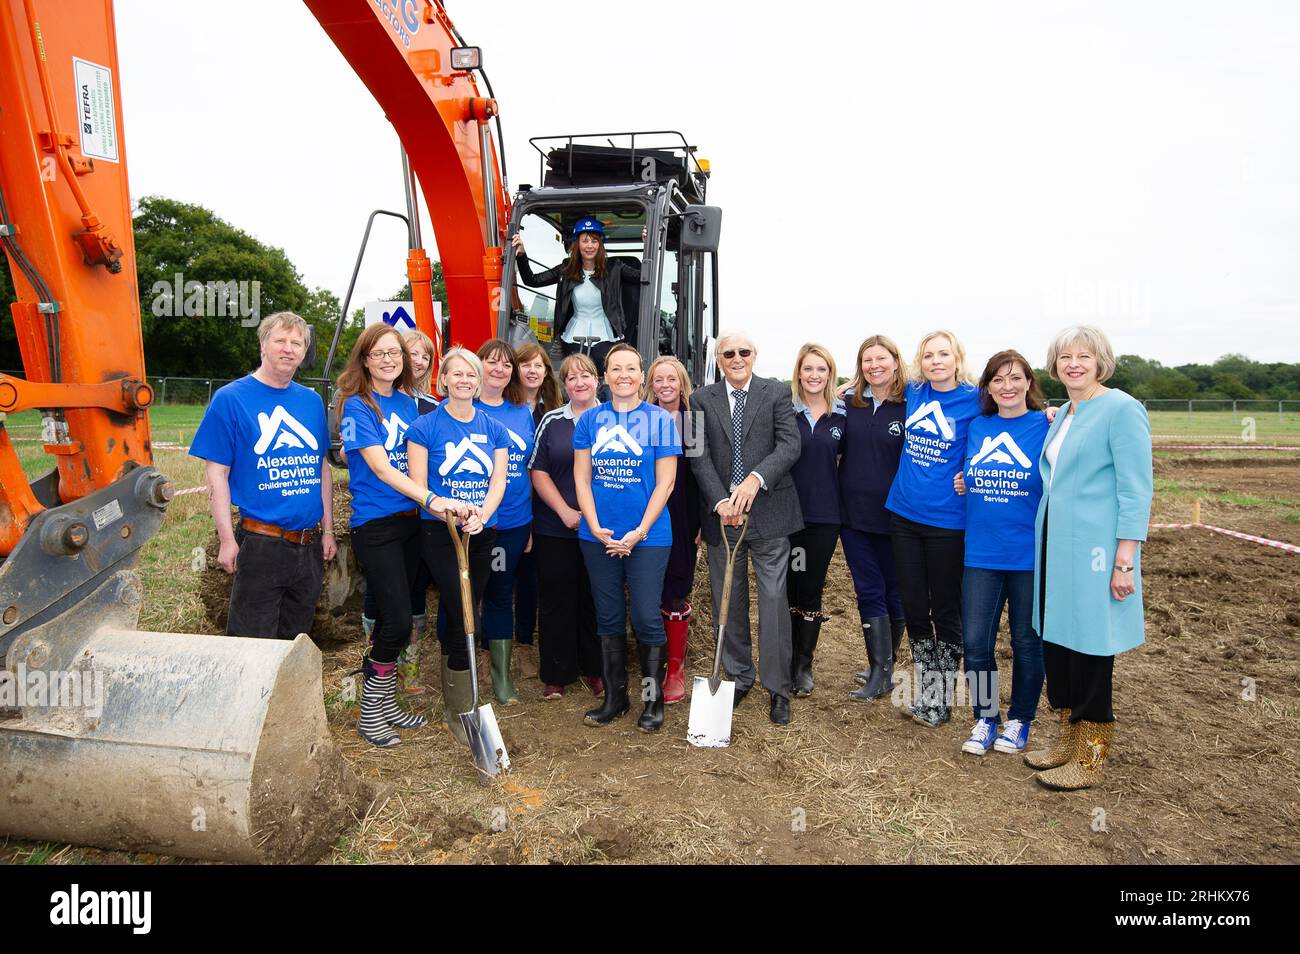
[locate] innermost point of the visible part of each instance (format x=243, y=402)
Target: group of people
x=952, y=497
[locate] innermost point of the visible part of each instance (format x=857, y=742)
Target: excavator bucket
x=197, y=746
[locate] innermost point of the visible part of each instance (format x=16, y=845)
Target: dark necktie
x=737, y=425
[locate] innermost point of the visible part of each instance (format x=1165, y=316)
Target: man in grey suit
x=747, y=441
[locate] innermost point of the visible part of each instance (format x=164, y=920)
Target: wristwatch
x=641, y=535
x=1124, y=568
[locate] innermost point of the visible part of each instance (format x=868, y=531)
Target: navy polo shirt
x=816, y=472
x=870, y=449
x=553, y=455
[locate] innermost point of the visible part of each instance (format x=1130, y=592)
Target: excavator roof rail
x=612, y=158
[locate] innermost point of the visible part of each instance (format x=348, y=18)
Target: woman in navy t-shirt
x=503, y=400
x=1002, y=485
x=566, y=624
x=873, y=440
x=624, y=467
x=929, y=519
x=819, y=416
x=459, y=451
x=374, y=415
x=668, y=386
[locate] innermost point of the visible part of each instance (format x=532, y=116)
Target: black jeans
x=388, y=549
x=1079, y=682
x=811, y=550
x=276, y=586
x=929, y=562
x=440, y=557
x=566, y=625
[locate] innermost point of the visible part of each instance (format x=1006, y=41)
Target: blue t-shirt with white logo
x=934, y=448
x=461, y=455
x=274, y=442
x=624, y=447
x=517, y=505
x=1003, y=487
x=359, y=427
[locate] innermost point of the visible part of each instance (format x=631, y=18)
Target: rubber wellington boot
x=408, y=663
x=676, y=626
x=927, y=693
x=878, y=636
x=896, y=626
x=1060, y=751
x=613, y=671
x=457, y=697
x=653, y=665
x=503, y=686
x=806, y=628
x=1083, y=769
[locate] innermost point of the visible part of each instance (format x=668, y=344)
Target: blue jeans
x=643, y=572
x=983, y=594
x=499, y=596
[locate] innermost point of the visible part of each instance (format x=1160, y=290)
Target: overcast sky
x=1002, y=169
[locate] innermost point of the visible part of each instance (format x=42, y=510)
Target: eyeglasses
x=381, y=355
x=743, y=352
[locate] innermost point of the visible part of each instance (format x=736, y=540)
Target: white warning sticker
x=96, y=118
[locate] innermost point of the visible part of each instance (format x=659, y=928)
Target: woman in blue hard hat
x=589, y=302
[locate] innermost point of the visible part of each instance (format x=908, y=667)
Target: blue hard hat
x=588, y=225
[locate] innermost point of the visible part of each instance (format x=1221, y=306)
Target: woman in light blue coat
x=1096, y=505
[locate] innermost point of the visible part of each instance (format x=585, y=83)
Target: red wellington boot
x=675, y=627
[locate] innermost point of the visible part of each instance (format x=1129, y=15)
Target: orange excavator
x=217, y=747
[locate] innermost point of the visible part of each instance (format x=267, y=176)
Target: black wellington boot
x=879, y=637
x=803, y=641
x=613, y=670
x=654, y=663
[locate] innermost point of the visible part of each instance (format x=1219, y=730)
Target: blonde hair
x=961, y=374
x=283, y=319
x=683, y=379
x=470, y=358
x=796, y=386
x=897, y=387
x=1093, y=338
x=578, y=361
x=415, y=337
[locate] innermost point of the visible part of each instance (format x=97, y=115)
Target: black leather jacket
x=618, y=273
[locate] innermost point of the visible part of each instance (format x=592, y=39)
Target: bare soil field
x=1205, y=766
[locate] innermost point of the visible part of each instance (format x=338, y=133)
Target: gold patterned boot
x=1091, y=743
x=1060, y=751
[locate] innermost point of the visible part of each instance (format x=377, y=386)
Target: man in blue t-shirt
x=264, y=439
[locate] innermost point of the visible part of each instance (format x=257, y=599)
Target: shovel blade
x=485, y=742
x=709, y=726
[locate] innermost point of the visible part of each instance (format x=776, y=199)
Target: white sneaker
x=1014, y=737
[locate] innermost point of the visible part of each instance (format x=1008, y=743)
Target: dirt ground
x=1205, y=766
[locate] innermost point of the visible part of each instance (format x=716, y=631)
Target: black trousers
x=598, y=352
x=811, y=550
x=440, y=557
x=929, y=562
x=1075, y=681
x=566, y=623
x=388, y=549
x=276, y=586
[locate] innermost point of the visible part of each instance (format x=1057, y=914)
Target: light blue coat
x=1100, y=494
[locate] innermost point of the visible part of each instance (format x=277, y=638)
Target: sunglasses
x=731, y=353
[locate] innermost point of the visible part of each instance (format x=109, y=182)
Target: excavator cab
x=650, y=198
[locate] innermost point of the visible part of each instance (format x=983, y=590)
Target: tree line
x=203, y=324
x=178, y=238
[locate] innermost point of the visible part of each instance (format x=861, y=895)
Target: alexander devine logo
x=518, y=441
x=466, y=457
x=1001, y=450
x=395, y=429
x=285, y=430
x=929, y=417
x=616, y=440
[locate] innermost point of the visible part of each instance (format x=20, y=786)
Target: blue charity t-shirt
x=1003, y=487
x=517, y=505
x=359, y=427
x=274, y=442
x=624, y=447
x=461, y=455
x=934, y=448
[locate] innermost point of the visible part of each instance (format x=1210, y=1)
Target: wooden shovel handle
x=462, y=564
x=731, y=566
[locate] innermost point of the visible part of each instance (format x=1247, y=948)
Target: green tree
x=1171, y=384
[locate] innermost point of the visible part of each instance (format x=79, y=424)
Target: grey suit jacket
x=769, y=445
